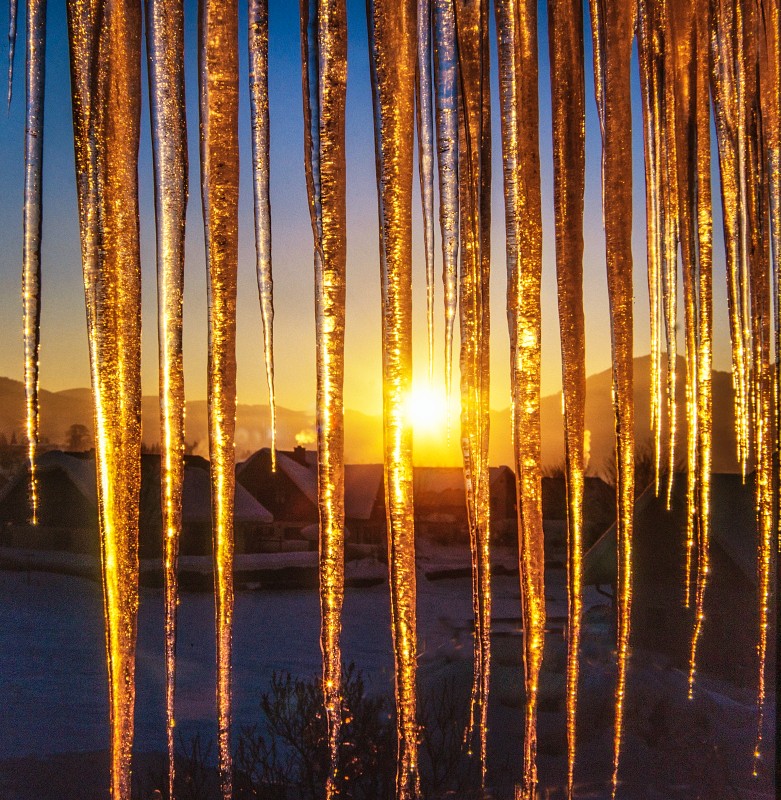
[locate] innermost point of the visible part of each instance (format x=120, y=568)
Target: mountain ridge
x=363, y=432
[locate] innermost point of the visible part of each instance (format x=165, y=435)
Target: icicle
x=670, y=238
x=770, y=99
x=31, y=273
x=648, y=49
x=165, y=53
x=682, y=97
x=219, y=96
x=565, y=31
x=258, y=95
x=13, y=6
x=392, y=53
x=704, y=401
x=106, y=109
x=757, y=225
x=725, y=77
x=516, y=25
x=447, y=150
x=324, y=56
x=426, y=163
x=612, y=25
x=475, y=214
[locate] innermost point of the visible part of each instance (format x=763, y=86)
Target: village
x=276, y=538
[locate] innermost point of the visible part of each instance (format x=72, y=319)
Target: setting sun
x=427, y=410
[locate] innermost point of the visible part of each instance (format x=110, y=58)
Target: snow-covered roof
x=303, y=477
x=196, y=501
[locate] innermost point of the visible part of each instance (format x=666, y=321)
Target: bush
x=285, y=755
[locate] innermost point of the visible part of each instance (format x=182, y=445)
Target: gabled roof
x=362, y=484
x=304, y=478
x=80, y=472
x=733, y=527
x=196, y=501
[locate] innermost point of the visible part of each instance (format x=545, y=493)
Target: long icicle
x=516, y=25
x=757, y=224
x=681, y=76
x=219, y=99
x=670, y=231
x=324, y=57
x=475, y=212
x=770, y=77
x=13, y=8
x=704, y=399
x=565, y=32
x=724, y=81
x=258, y=95
x=165, y=63
x=612, y=25
x=423, y=105
x=648, y=52
x=446, y=74
x=392, y=53
x=31, y=270
x=105, y=69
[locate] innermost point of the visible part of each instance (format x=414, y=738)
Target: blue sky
x=64, y=350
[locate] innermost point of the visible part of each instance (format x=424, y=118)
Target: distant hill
x=363, y=432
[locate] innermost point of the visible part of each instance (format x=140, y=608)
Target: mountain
x=363, y=432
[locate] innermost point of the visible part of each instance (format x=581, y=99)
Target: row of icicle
x=689, y=52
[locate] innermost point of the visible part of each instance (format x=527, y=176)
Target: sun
x=427, y=410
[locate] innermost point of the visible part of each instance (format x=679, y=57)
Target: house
x=660, y=621
x=599, y=512
x=67, y=510
x=290, y=494
x=68, y=516
x=440, y=499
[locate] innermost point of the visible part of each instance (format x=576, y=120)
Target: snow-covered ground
x=54, y=700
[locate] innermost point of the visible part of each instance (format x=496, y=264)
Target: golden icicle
x=475, y=216
x=219, y=97
x=31, y=271
x=165, y=51
x=669, y=202
x=565, y=31
x=516, y=24
x=724, y=80
x=704, y=398
x=259, y=114
x=392, y=54
x=105, y=66
x=757, y=224
x=324, y=57
x=648, y=49
x=612, y=24
x=682, y=94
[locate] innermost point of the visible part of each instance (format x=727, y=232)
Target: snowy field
x=54, y=699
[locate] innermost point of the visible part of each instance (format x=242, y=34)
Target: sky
x=64, y=360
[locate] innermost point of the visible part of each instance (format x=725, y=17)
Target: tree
x=78, y=438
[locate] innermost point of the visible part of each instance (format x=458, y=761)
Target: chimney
x=299, y=455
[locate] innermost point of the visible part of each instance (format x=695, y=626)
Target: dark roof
x=733, y=526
